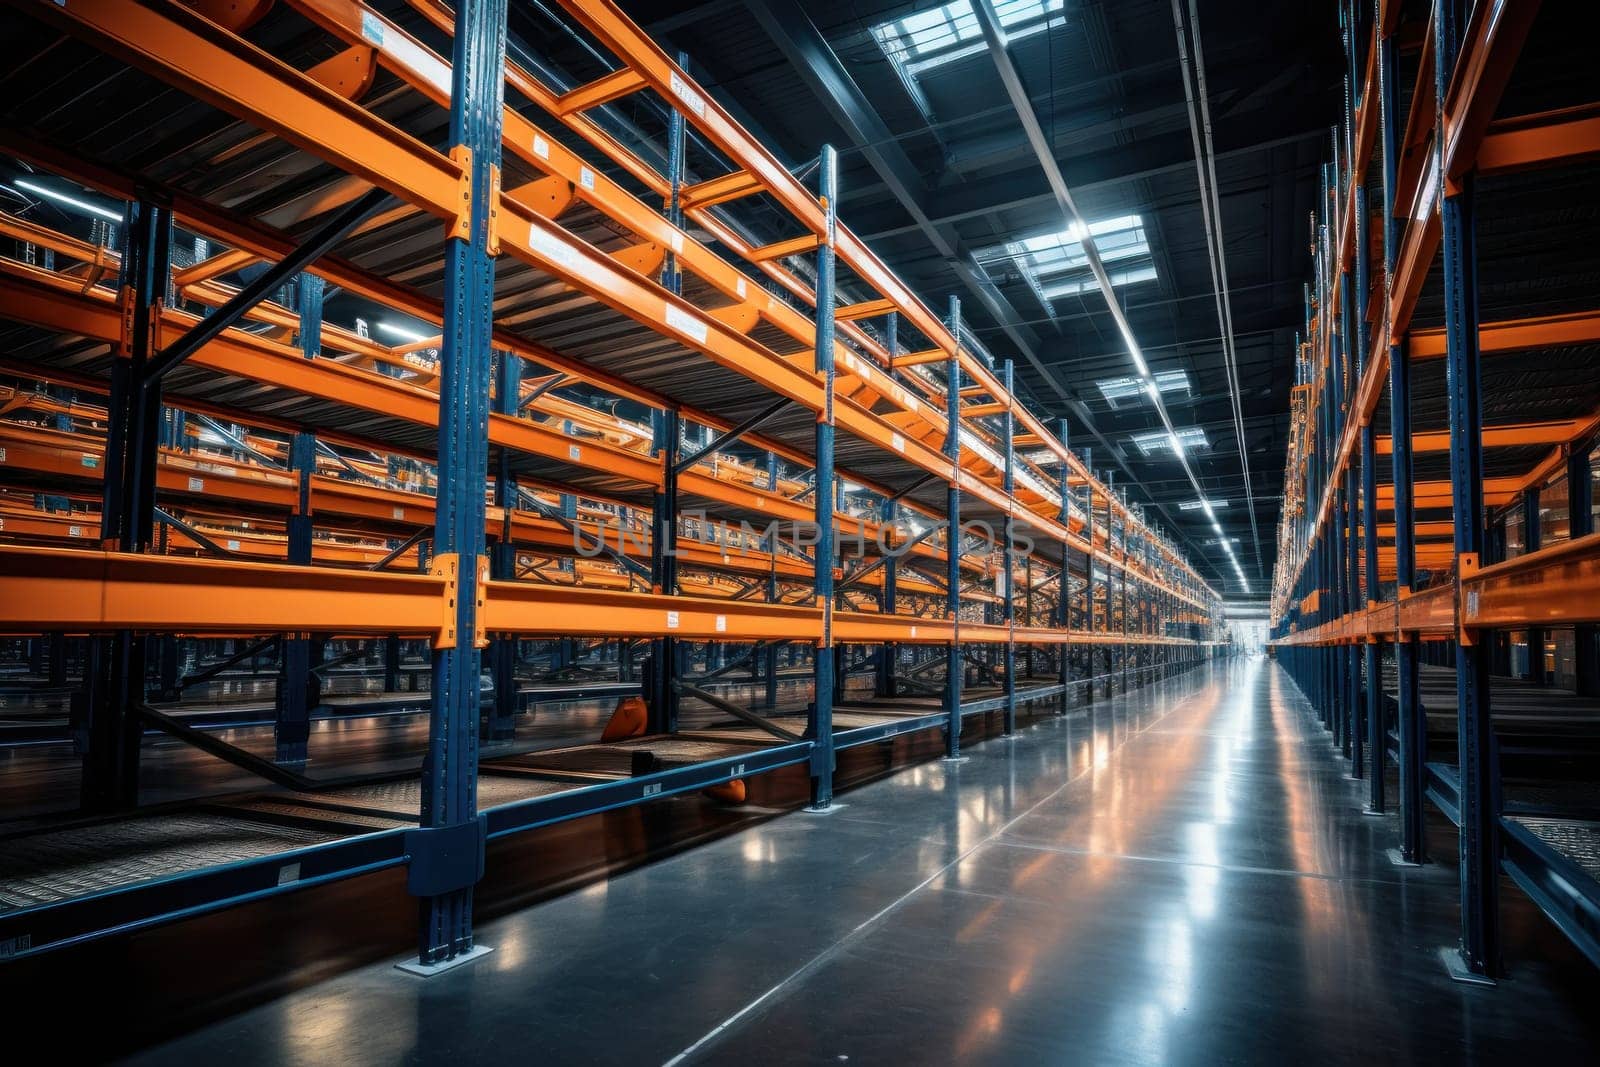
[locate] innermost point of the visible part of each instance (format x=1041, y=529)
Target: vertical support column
x=112, y=728
x=1088, y=571
x=1064, y=585
x=1007, y=562
x=1580, y=512
x=1479, y=769
x=1377, y=744
x=773, y=647
x=1122, y=589
x=447, y=849
x=502, y=720
x=308, y=293
x=1409, y=716
x=889, y=603
x=1111, y=534
x=671, y=276
x=663, y=667
x=1532, y=541
x=819, y=726
x=952, y=452
x=299, y=689
x=391, y=663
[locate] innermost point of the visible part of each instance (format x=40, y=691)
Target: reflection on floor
x=1182, y=875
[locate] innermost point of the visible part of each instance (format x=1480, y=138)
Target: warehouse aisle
x=1183, y=875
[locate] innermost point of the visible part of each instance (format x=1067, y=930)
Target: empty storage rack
x=638, y=383
x=1442, y=458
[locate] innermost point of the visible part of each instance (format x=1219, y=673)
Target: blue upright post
x=502, y=721
x=447, y=849
x=309, y=291
x=1088, y=571
x=889, y=604
x=391, y=663
x=112, y=728
x=1580, y=512
x=1064, y=585
x=663, y=667
x=774, y=648
x=1408, y=712
x=666, y=655
x=1111, y=547
x=671, y=276
x=1008, y=586
x=1478, y=762
x=1377, y=745
x=1532, y=541
x=820, y=725
x=299, y=688
x=952, y=452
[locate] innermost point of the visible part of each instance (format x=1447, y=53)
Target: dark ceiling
x=932, y=181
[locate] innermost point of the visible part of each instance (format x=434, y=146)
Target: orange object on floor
x=629, y=720
x=728, y=792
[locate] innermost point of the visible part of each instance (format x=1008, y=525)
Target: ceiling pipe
x=1194, y=85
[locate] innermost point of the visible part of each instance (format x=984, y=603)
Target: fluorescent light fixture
x=70, y=201
x=1138, y=362
x=405, y=333
x=927, y=39
x=1160, y=441
x=1201, y=505
x=1129, y=387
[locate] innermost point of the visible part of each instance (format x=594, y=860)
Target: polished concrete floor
x=1179, y=876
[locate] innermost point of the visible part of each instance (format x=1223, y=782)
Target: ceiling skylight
x=1119, y=390
x=1055, y=266
x=1155, y=441
x=940, y=35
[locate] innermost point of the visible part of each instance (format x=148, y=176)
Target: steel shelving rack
x=572, y=268
x=1393, y=545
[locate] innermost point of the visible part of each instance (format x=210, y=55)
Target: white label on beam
x=197, y=485
x=686, y=324
x=685, y=92
x=672, y=620
x=722, y=623
x=551, y=247
x=541, y=147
